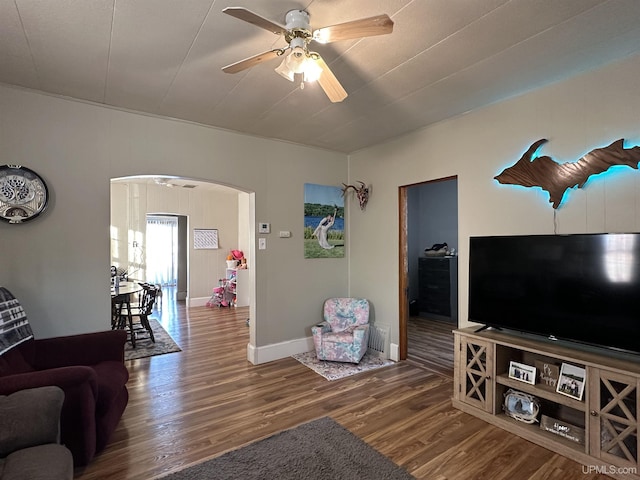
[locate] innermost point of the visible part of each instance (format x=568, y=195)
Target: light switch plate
x=262, y=244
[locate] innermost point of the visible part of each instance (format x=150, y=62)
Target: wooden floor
x=190, y=406
x=430, y=344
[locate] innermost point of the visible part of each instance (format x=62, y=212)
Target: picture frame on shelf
x=522, y=372
x=548, y=374
x=571, y=381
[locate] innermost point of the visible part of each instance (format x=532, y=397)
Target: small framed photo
x=571, y=381
x=522, y=372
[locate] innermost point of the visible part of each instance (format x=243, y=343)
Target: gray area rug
x=318, y=450
x=146, y=348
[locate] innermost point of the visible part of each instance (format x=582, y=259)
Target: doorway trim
x=403, y=262
x=403, y=275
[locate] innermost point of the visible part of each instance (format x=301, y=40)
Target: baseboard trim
x=197, y=301
x=202, y=301
x=276, y=351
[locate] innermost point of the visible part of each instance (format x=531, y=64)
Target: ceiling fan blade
x=254, y=19
x=365, y=27
x=330, y=83
x=253, y=61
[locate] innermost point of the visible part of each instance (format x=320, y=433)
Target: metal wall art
x=556, y=178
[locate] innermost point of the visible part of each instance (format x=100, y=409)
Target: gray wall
x=57, y=264
x=589, y=111
x=432, y=211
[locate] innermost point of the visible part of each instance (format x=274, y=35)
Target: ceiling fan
x=298, y=59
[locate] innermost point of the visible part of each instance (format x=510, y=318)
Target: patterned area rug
x=337, y=370
x=146, y=348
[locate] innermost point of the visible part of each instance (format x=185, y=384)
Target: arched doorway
x=196, y=204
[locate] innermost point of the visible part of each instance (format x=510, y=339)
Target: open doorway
x=194, y=269
x=166, y=255
x=428, y=283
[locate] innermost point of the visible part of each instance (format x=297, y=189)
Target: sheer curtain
x=162, y=250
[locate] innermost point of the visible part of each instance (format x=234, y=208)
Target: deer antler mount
x=362, y=193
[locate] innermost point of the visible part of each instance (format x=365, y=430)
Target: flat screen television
x=583, y=288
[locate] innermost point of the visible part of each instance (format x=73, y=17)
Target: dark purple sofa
x=90, y=370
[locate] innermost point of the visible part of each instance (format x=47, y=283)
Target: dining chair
x=142, y=311
x=135, y=316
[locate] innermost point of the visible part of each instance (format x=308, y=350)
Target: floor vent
x=379, y=339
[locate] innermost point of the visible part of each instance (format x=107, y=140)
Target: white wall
x=576, y=116
x=56, y=264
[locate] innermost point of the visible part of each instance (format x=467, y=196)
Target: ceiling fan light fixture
x=296, y=60
x=322, y=36
x=284, y=70
x=312, y=70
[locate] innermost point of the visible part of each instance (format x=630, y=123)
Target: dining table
x=125, y=288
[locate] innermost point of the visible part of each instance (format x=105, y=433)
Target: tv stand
x=603, y=425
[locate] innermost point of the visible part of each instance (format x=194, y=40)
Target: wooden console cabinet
x=608, y=411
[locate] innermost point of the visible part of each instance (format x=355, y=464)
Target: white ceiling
x=445, y=57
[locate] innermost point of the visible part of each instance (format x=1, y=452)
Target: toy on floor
x=223, y=294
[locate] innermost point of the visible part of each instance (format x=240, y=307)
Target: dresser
x=438, y=287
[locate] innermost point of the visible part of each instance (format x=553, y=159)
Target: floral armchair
x=344, y=334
